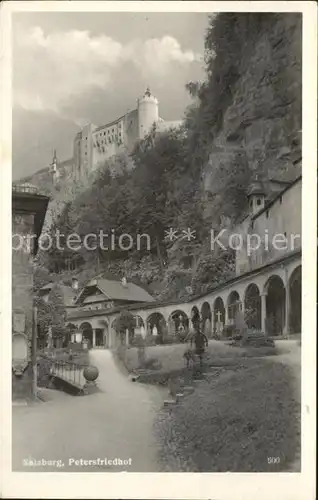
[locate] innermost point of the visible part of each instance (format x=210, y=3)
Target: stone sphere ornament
x=90, y=373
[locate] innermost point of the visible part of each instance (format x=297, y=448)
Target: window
x=259, y=201
x=267, y=214
x=251, y=203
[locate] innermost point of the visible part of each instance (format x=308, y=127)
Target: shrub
x=229, y=331
x=181, y=336
x=150, y=340
x=256, y=338
x=171, y=339
x=152, y=364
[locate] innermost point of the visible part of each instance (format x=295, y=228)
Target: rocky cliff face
x=262, y=125
x=62, y=190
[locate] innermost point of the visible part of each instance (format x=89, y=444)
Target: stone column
x=242, y=307
x=287, y=311
x=111, y=339
x=94, y=337
x=287, y=305
x=212, y=323
x=226, y=319
x=127, y=337
x=263, y=312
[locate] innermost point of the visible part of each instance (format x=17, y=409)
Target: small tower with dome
x=148, y=113
x=54, y=169
x=256, y=196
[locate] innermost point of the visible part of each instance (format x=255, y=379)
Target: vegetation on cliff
x=178, y=180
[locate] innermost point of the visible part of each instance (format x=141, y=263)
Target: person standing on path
x=200, y=341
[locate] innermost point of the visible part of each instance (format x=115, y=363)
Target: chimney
x=75, y=283
x=124, y=282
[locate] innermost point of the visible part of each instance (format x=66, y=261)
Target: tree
x=56, y=301
x=51, y=314
x=125, y=321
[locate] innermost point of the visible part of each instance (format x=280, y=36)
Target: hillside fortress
x=93, y=145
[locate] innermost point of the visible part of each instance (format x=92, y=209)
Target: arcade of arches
x=270, y=302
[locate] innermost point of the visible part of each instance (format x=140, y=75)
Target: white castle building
x=93, y=145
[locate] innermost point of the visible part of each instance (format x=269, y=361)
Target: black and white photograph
x=157, y=229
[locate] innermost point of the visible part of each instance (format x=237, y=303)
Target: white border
x=192, y=486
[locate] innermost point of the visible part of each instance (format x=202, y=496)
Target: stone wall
x=283, y=218
x=22, y=302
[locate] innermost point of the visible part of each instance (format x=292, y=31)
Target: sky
x=73, y=68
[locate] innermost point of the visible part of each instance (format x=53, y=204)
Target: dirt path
x=114, y=423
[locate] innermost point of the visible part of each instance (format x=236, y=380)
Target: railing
x=65, y=370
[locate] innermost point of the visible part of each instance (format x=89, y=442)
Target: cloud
x=51, y=69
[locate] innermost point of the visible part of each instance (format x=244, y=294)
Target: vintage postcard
x=158, y=207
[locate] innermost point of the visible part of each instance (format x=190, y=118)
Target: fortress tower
x=93, y=145
x=148, y=113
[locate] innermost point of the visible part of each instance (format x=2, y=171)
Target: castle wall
x=77, y=155
x=131, y=129
x=86, y=150
x=93, y=146
x=115, y=138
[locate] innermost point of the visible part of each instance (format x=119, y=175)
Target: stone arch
x=253, y=307
x=156, y=325
x=219, y=314
x=87, y=332
x=178, y=322
x=275, y=305
x=294, y=288
x=206, y=315
x=233, y=305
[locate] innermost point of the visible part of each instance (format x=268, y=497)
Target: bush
x=43, y=372
x=150, y=340
x=75, y=346
x=181, y=336
x=256, y=338
x=171, y=339
x=229, y=331
x=152, y=364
